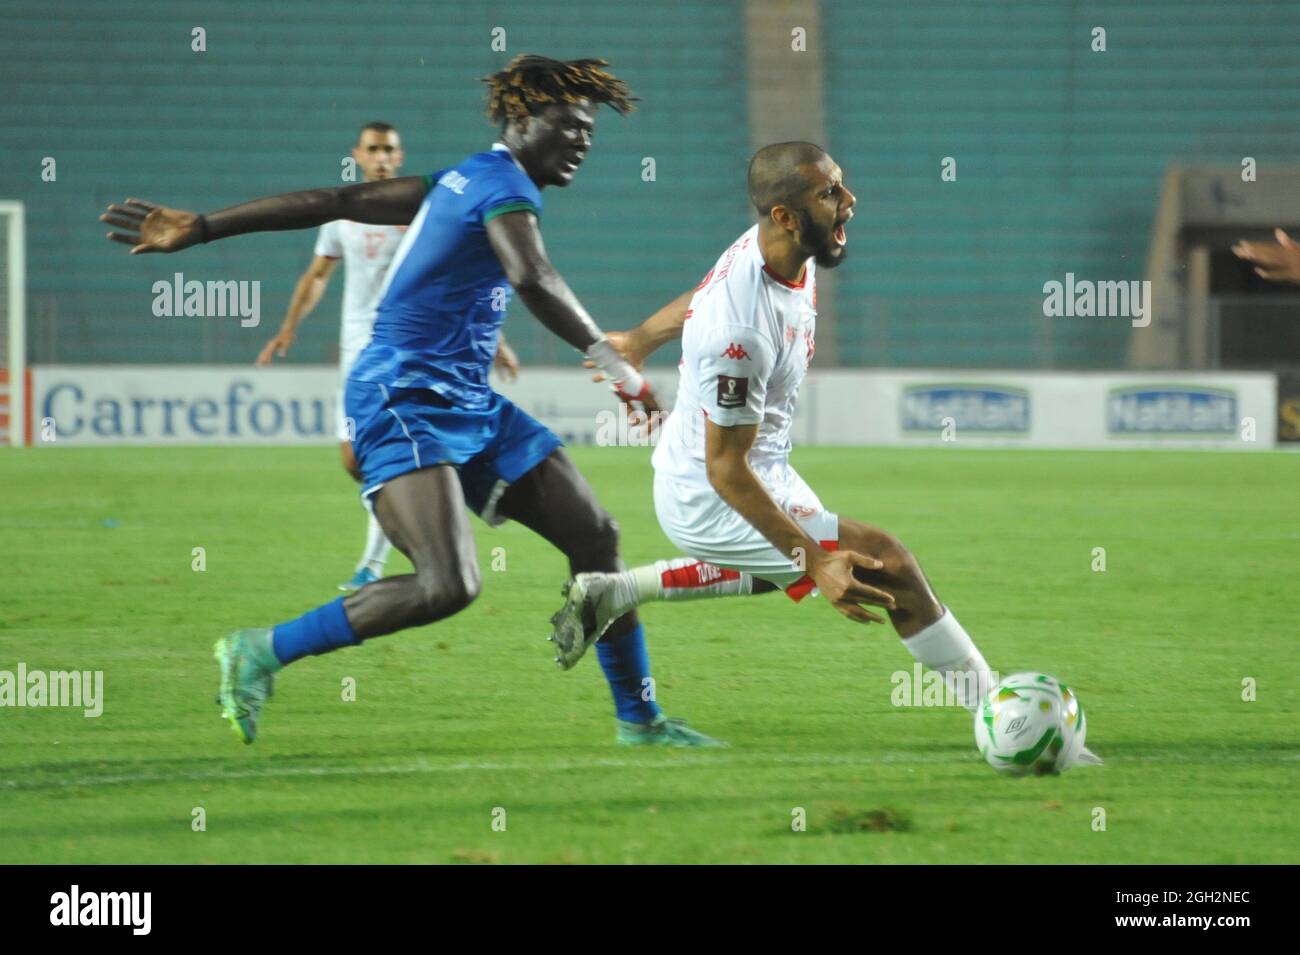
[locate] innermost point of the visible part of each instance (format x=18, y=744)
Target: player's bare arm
x=148, y=227
x=726, y=455
x=517, y=242
x=1278, y=262
x=639, y=343
x=664, y=326
x=306, y=295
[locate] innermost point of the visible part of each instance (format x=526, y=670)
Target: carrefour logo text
x=239, y=412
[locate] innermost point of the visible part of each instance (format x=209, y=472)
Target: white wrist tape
x=625, y=380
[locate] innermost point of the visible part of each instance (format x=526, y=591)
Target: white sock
x=377, y=548
x=682, y=578
x=947, y=648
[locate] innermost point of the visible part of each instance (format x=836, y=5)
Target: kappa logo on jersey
x=732, y=392
x=736, y=351
x=704, y=281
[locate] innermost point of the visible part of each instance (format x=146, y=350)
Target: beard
x=819, y=243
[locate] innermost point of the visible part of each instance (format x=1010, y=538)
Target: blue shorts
x=399, y=430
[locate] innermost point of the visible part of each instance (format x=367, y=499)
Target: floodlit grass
x=455, y=720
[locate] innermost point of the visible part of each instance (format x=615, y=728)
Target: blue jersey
x=444, y=299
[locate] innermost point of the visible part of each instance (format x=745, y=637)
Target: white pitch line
x=752, y=760
x=423, y=766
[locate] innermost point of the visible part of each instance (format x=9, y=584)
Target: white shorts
x=705, y=527
x=347, y=358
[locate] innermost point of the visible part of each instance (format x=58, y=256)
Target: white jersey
x=367, y=251
x=746, y=345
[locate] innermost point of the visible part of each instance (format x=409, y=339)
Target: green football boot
x=580, y=622
x=663, y=731
x=247, y=678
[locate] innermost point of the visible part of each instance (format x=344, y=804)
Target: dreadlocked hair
x=530, y=82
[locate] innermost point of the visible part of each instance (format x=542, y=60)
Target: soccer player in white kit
x=724, y=491
x=366, y=252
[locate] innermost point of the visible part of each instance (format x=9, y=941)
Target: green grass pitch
x=454, y=721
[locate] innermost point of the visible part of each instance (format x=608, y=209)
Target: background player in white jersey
x=725, y=492
x=366, y=252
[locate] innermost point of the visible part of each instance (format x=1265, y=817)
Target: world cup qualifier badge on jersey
x=732, y=392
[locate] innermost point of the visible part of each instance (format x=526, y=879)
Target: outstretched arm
x=638, y=344
x=658, y=330
x=517, y=242
x=152, y=228
x=1277, y=263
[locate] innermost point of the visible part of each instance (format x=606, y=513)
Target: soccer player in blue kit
x=431, y=436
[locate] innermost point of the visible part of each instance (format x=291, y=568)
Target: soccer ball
x=1030, y=724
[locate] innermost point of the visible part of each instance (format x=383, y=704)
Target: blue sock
x=626, y=663
x=317, y=631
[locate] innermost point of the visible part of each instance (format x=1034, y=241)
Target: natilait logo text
x=103, y=908
x=972, y=408
x=1171, y=410
x=74, y=688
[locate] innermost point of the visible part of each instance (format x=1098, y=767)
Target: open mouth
x=840, y=234
x=571, y=165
